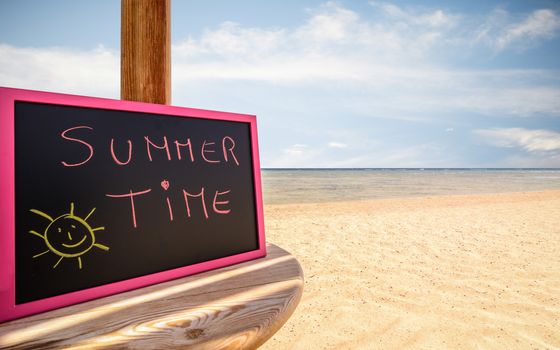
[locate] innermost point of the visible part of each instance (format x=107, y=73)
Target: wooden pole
x=146, y=51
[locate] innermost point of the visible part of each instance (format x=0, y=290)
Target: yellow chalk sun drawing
x=68, y=235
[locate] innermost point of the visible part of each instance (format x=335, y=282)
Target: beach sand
x=477, y=271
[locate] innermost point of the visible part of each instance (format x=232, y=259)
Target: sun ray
x=71, y=208
x=88, y=215
x=99, y=228
x=80, y=262
x=101, y=246
x=38, y=255
x=37, y=234
x=38, y=212
x=58, y=262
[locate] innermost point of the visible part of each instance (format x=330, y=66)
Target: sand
x=460, y=272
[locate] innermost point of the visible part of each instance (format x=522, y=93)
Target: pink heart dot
x=165, y=184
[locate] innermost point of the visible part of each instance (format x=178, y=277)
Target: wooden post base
x=236, y=307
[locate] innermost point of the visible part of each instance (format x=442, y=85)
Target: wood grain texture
x=146, y=51
x=236, y=307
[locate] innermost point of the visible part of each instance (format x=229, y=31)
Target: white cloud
x=297, y=156
x=93, y=72
x=530, y=140
x=440, y=19
x=332, y=23
x=416, y=155
x=389, y=60
x=296, y=150
x=339, y=145
x=332, y=36
x=230, y=40
x=541, y=24
x=418, y=17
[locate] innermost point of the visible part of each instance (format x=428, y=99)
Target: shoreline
x=472, y=196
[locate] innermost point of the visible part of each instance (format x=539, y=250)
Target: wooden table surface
x=236, y=307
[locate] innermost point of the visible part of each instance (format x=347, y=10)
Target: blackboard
x=112, y=195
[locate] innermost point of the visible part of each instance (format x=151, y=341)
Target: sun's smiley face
x=69, y=236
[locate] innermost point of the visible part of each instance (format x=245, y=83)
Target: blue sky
x=333, y=84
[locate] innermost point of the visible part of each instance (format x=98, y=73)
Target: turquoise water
x=324, y=185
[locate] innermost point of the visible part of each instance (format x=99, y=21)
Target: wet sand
x=476, y=271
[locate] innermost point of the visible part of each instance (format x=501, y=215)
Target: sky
x=333, y=83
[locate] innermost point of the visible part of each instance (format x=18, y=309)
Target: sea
x=283, y=186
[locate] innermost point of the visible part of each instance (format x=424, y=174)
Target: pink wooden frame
x=8, y=308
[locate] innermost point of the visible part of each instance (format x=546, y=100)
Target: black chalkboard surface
x=105, y=195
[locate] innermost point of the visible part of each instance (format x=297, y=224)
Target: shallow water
x=325, y=185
